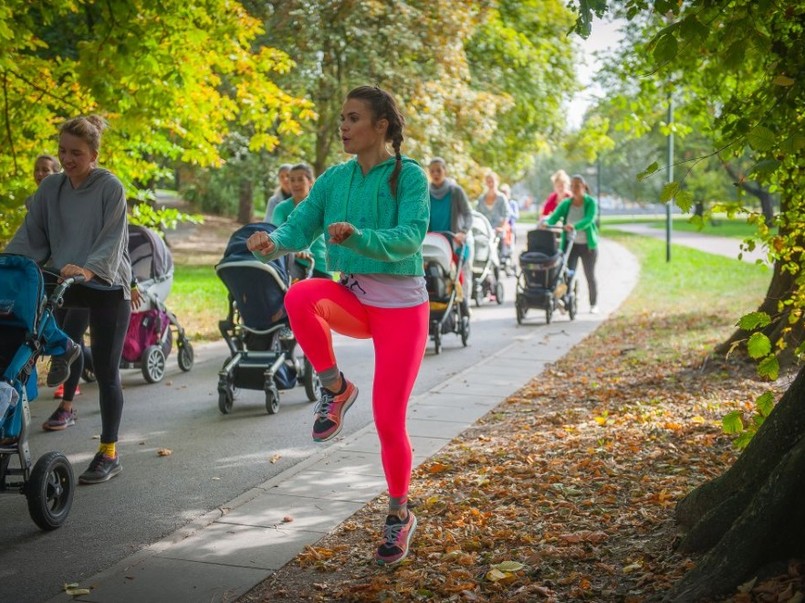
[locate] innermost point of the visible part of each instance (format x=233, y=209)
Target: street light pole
x=598, y=189
x=670, y=169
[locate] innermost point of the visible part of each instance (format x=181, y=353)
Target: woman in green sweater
x=375, y=211
x=578, y=213
x=300, y=181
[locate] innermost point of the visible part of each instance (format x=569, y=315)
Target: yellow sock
x=109, y=450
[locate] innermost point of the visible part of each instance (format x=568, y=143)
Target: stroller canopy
x=257, y=288
x=22, y=292
x=437, y=248
x=151, y=260
x=543, y=241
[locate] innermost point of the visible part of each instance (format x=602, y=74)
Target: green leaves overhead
x=171, y=78
x=761, y=138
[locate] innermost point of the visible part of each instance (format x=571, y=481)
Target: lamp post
x=670, y=170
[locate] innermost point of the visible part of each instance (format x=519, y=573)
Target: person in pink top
x=561, y=191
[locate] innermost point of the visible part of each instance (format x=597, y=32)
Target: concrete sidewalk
x=227, y=552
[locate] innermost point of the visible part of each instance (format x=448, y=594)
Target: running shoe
x=397, y=534
x=60, y=419
x=60, y=365
x=101, y=469
x=330, y=411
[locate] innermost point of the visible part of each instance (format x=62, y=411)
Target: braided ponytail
x=385, y=107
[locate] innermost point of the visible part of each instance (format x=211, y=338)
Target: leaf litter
x=565, y=491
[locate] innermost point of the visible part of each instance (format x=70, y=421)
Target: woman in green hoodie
x=578, y=213
x=374, y=210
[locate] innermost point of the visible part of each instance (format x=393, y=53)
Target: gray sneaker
x=60, y=365
x=60, y=419
x=101, y=469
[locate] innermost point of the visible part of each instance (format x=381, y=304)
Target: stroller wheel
x=50, y=490
x=519, y=310
x=465, y=330
x=153, y=364
x=311, y=382
x=437, y=340
x=185, y=356
x=499, y=294
x=272, y=400
x=225, y=399
x=573, y=301
x=549, y=310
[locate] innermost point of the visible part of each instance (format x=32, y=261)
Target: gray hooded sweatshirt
x=86, y=226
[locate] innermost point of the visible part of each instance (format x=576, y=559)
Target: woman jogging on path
x=373, y=210
x=77, y=223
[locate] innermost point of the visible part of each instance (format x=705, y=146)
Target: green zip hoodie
x=389, y=231
x=587, y=223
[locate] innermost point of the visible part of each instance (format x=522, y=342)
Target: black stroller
x=544, y=280
x=261, y=344
x=486, y=267
x=442, y=277
x=149, y=338
x=25, y=313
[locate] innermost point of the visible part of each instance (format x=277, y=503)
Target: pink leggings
x=316, y=306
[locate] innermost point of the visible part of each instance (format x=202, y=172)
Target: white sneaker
x=594, y=310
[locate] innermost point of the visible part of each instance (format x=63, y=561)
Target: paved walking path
x=230, y=550
x=726, y=246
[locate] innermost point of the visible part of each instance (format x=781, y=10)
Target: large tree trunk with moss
x=753, y=513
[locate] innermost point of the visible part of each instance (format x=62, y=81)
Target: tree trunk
x=753, y=513
x=245, y=202
x=763, y=195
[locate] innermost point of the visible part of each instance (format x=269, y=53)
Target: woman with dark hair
x=78, y=225
x=281, y=193
x=300, y=181
x=374, y=211
x=578, y=214
x=450, y=211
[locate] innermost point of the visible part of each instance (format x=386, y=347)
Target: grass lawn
x=199, y=300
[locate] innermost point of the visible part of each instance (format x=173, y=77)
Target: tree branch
x=7, y=116
x=45, y=92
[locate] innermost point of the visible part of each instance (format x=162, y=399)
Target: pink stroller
x=149, y=338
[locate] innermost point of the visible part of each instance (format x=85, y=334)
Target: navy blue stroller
x=544, y=280
x=256, y=329
x=26, y=319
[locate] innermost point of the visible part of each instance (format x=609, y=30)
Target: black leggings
x=588, y=258
x=106, y=314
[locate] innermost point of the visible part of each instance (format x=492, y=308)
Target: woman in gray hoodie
x=77, y=226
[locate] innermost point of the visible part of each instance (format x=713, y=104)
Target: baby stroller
x=25, y=312
x=444, y=283
x=544, y=281
x=149, y=337
x=486, y=281
x=256, y=328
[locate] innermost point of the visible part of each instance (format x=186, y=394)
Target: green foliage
x=734, y=422
x=172, y=78
x=161, y=219
x=481, y=83
x=739, y=78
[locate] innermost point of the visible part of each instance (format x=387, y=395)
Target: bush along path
x=566, y=491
